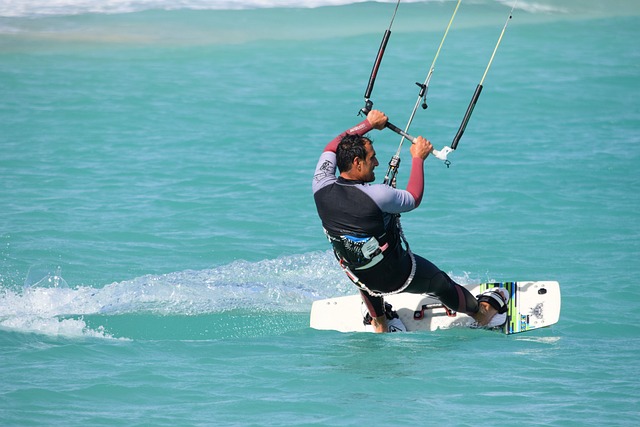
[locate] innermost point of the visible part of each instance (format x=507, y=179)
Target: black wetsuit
x=353, y=212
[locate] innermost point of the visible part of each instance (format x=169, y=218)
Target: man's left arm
x=420, y=150
x=398, y=201
x=415, y=186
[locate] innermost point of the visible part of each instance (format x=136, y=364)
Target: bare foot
x=380, y=324
x=485, y=313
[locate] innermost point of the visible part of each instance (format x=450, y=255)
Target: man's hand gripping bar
x=442, y=154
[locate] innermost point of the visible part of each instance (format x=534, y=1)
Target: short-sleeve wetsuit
x=354, y=212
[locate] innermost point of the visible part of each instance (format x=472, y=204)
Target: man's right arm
x=360, y=129
x=325, y=172
x=375, y=120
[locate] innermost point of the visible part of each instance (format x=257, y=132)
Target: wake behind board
x=532, y=305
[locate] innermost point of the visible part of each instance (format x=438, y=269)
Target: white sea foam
x=536, y=7
x=15, y=8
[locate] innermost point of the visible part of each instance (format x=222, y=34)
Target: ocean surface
x=160, y=248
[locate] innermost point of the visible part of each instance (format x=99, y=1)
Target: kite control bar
x=440, y=154
x=389, y=125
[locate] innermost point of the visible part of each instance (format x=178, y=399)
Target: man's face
x=366, y=166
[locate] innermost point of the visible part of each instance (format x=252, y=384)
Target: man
x=361, y=221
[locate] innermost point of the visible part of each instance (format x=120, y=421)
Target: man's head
x=356, y=158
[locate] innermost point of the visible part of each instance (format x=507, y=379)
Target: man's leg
x=375, y=306
x=431, y=280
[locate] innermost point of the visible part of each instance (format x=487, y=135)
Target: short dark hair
x=350, y=147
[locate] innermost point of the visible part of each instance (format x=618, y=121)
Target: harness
x=362, y=253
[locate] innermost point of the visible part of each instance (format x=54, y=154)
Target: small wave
x=41, y=8
x=33, y=8
x=25, y=8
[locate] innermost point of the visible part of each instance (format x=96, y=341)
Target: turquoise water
x=160, y=249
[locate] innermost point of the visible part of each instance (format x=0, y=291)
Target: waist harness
x=360, y=253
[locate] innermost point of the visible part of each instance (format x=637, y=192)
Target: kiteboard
x=532, y=305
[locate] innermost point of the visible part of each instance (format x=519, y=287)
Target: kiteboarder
x=362, y=222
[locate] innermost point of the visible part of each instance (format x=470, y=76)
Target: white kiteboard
x=532, y=305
